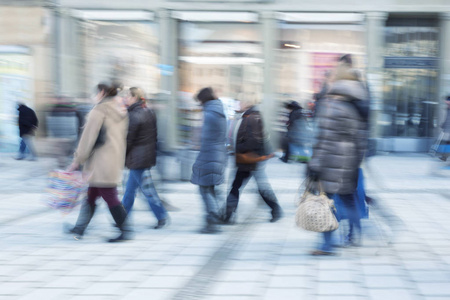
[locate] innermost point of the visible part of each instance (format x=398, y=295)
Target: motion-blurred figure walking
x=341, y=143
x=28, y=122
x=252, y=148
x=101, y=151
x=141, y=155
x=208, y=170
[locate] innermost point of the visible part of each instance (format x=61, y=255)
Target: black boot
x=120, y=214
x=86, y=213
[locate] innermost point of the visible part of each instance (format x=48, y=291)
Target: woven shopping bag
x=316, y=212
x=64, y=190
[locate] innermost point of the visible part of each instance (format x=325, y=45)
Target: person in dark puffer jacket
x=209, y=167
x=341, y=144
x=251, y=139
x=141, y=155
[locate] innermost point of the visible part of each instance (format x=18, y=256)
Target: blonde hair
x=137, y=92
x=248, y=99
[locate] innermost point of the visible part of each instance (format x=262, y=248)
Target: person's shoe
x=19, y=157
x=123, y=237
x=284, y=159
x=277, y=214
x=33, y=158
x=229, y=219
x=322, y=253
x=210, y=229
x=161, y=224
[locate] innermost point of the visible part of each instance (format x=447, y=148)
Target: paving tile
x=433, y=276
x=104, y=289
x=234, y=288
x=15, y=288
x=166, y=282
x=289, y=282
x=153, y=294
x=340, y=298
x=335, y=264
x=386, y=282
x=294, y=294
x=383, y=270
x=338, y=288
x=338, y=276
x=189, y=261
x=239, y=276
x=391, y=294
x=285, y=270
x=434, y=289
x=421, y=265
x=50, y=294
x=68, y=282
x=177, y=271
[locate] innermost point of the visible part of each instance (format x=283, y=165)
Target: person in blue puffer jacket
x=209, y=167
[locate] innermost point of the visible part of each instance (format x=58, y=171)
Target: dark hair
x=205, y=94
x=448, y=98
x=346, y=58
x=110, y=89
x=292, y=105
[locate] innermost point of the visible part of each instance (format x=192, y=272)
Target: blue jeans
x=145, y=183
x=27, y=146
x=209, y=197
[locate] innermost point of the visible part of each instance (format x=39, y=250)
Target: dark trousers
x=108, y=194
x=264, y=189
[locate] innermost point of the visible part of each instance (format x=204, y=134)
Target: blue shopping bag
x=360, y=197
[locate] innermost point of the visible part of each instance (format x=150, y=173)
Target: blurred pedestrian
x=28, y=123
x=340, y=147
x=252, y=149
x=101, y=151
x=141, y=155
x=299, y=134
x=446, y=132
x=209, y=167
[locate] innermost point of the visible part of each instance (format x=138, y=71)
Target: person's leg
x=148, y=189
x=240, y=180
x=349, y=203
x=22, y=149
x=86, y=212
x=117, y=210
x=28, y=139
x=207, y=193
x=266, y=192
x=130, y=191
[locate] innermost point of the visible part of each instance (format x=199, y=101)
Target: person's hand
x=73, y=166
x=313, y=175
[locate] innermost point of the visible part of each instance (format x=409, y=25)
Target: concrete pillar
x=375, y=40
x=269, y=104
x=68, y=43
x=169, y=78
x=444, y=85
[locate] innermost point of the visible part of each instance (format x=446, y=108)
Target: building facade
x=279, y=49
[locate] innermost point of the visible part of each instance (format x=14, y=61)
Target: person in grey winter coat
x=141, y=155
x=341, y=144
x=209, y=167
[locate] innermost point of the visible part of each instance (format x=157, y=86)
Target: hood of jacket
x=214, y=106
x=134, y=106
x=113, y=108
x=251, y=110
x=350, y=89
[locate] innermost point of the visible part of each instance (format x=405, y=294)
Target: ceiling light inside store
x=292, y=46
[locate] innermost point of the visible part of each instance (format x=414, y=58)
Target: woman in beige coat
x=101, y=151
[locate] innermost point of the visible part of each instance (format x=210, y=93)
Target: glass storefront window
x=308, y=51
x=126, y=51
x=225, y=56
x=410, y=80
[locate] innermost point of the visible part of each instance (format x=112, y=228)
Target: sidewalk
x=252, y=260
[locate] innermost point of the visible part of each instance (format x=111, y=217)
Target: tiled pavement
x=252, y=260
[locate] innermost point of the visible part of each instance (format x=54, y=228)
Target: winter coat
x=342, y=137
x=446, y=124
x=299, y=132
x=27, y=120
x=142, y=137
x=210, y=165
x=104, y=164
x=251, y=137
